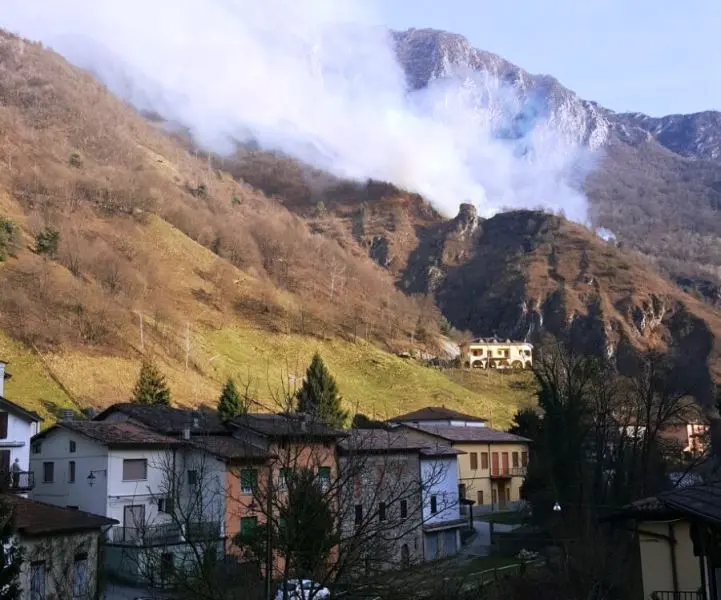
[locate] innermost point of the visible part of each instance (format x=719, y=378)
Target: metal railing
x=167, y=533
x=17, y=481
x=150, y=534
x=677, y=595
x=508, y=471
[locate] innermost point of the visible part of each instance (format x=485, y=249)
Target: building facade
x=17, y=426
x=492, y=464
x=60, y=550
x=493, y=353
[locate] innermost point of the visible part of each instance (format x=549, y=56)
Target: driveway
x=480, y=545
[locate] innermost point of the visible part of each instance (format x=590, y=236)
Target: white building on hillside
x=493, y=353
x=17, y=426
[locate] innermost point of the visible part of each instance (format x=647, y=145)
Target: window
x=165, y=505
x=462, y=491
x=48, y=472
x=434, y=505
x=37, y=580
x=71, y=471
x=480, y=497
x=3, y=425
x=248, y=481
x=514, y=458
x=37, y=448
x=135, y=469
x=80, y=576
x=381, y=511
x=248, y=524
x=484, y=460
x=324, y=478
x=474, y=460
x=524, y=459
x=72, y=446
x=192, y=477
x=404, y=508
x=358, y=514
x=284, y=479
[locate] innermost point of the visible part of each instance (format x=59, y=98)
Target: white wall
x=20, y=431
x=440, y=478
x=88, y=456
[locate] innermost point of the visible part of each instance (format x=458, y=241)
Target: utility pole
x=142, y=339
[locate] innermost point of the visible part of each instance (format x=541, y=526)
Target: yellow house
x=492, y=353
x=494, y=465
x=679, y=538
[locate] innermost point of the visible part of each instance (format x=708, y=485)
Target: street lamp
x=91, y=476
x=556, y=507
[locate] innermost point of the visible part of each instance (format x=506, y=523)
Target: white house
x=442, y=521
x=160, y=489
x=17, y=426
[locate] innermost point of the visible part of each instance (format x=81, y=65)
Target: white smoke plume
x=318, y=80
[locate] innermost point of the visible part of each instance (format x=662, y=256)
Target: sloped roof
x=436, y=413
x=168, y=419
x=229, y=448
x=38, y=518
x=395, y=440
x=471, y=434
x=115, y=434
x=495, y=340
x=19, y=411
x=286, y=425
x=702, y=501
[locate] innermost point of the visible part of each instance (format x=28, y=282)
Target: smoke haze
x=318, y=80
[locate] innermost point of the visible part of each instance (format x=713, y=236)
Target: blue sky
x=653, y=56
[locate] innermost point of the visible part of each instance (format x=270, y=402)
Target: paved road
x=125, y=592
x=480, y=545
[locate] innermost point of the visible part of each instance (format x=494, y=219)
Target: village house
x=145, y=481
x=242, y=454
x=679, y=539
x=60, y=549
x=493, y=463
x=493, y=353
x=17, y=426
x=404, y=496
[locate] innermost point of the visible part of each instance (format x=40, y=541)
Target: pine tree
x=151, y=387
x=319, y=395
x=230, y=404
x=11, y=559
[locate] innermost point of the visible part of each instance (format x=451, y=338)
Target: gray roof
x=229, y=448
x=701, y=501
x=114, y=434
x=168, y=419
x=436, y=413
x=471, y=434
x=286, y=425
x=395, y=440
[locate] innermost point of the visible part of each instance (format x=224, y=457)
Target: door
x=4, y=468
x=501, y=495
x=133, y=521
x=506, y=467
x=494, y=463
x=432, y=546
x=449, y=542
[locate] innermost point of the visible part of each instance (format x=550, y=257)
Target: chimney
x=186, y=433
x=2, y=378
x=196, y=423
x=67, y=415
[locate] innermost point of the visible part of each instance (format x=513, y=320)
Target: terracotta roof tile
x=38, y=518
x=115, y=433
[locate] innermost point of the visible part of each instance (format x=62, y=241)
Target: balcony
x=17, y=481
x=507, y=473
x=677, y=596
x=168, y=533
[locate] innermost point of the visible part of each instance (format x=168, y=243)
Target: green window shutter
x=248, y=481
x=248, y=524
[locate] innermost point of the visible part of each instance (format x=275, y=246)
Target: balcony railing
x=148, y=535
x=508, y=472
x=17, y=481
x=169, y=533
x=676, y=596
